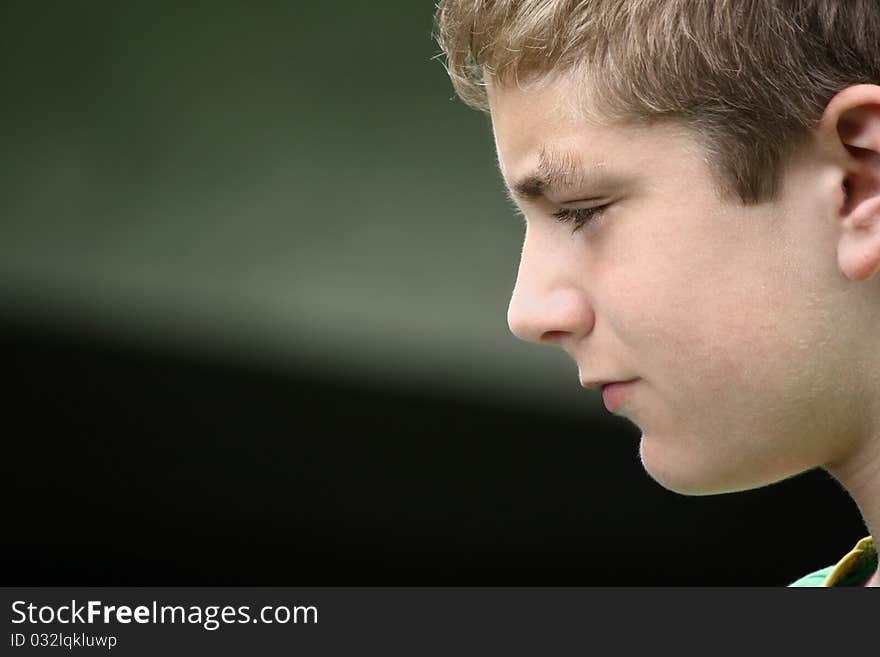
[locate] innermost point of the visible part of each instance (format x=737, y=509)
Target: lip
x=614, y=393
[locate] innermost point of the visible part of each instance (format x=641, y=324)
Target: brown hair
x=749, y=77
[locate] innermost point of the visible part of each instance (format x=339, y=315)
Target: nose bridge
x=549, y=300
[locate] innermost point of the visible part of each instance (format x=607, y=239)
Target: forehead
x=551, y=127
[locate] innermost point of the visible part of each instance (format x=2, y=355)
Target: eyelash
x=579, y=217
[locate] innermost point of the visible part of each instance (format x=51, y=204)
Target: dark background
x=254, y=264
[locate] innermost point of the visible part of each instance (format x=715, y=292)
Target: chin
x=684, y=473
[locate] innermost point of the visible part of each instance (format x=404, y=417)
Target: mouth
x=614, y=393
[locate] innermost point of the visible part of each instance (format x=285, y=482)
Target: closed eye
x=579, y=217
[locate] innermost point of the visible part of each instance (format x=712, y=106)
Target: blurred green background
x=272, y=180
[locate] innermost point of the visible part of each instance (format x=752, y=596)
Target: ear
x=853, y=118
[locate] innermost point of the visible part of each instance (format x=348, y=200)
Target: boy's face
x=732, y=319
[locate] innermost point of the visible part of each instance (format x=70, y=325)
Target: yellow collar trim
x=856, y=560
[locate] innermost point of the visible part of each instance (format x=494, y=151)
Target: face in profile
x=726, y=317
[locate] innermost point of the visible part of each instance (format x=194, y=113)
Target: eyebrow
x=556, y=170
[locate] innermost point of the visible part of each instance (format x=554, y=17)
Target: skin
x=751, y=331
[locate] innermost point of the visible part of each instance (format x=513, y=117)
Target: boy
x=701, y=188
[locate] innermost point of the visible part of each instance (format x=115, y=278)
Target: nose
x=549, y=303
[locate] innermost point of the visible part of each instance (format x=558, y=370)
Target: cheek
x=734, y=382
x=722, y=383
x=732, y=391
x=703, y=307
x=684, y=330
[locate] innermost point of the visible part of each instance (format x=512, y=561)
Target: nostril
x=553, y=336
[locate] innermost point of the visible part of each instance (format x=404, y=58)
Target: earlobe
x=853, y=117
x=858, y=248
